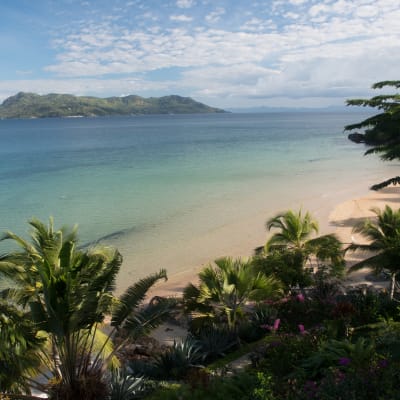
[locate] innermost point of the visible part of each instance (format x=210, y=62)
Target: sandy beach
x=340, y=220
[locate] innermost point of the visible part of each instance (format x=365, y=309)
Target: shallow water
x=150, y=185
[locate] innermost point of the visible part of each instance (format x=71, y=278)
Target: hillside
x=30, y=105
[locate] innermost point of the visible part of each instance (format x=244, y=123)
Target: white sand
x=340, y=220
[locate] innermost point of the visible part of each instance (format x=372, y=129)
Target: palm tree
x=384, y=237
x=294, y=230
x=68, y=292
x=295, y=235
x=19, y=349
x=224, y=290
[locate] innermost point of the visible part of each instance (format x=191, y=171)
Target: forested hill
x=30, y=105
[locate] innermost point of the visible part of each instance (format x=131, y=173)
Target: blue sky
x=237, y=53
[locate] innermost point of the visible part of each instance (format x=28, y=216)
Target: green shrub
x=214, y=342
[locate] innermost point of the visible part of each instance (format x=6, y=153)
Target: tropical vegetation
x=383, y=245
x=31, y=105
x=66, y=293
x=381, y=131
x=225, y=290
x=304, y=339
x=285, y=313
x=293, y=252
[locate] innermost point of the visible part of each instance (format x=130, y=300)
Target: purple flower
x=383, y=363
x=301, y=329
x=344, y=361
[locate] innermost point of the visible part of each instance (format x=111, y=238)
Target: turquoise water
x=149, y=182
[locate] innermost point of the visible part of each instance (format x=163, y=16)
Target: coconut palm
x=68, y=292
x=225, y=289
x=384, y=242
x=295, y=235
x=294, y=230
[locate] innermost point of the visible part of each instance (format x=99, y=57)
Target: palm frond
x=146, y=319
x=134, y=296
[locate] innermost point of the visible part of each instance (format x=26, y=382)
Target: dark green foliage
x=238, y=387
x=215, y=341
x=29, y=105
x=297, y=246
x=370, y=306
x=225, y=289
x=343, y=353
x=376, y=382
x=383, y=235
x=176, y=362
x=387, y=338
x=382, y=131
x=325, y=289
x=283, y=355
x=124, y=386
x=67, y=293
x=19, y=349
x=287, y=265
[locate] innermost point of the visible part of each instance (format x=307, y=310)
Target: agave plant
x=124, y=386
x=214, y=341
x=178, y=359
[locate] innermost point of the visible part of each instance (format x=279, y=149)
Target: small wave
x=317, y=159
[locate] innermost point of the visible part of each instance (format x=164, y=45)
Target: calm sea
x=145, y=182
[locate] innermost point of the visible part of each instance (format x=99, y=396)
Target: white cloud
x=185, y=3
x=292, y=15
x=317, y=10
x=180, y=18
x=297, y=2
x=258, y=25
x=367, y=11
x=215, y=16
x=345, y=46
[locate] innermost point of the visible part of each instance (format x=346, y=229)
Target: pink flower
x=276, y=324
x=301, y=329
x=272, y=328
x=300, y=298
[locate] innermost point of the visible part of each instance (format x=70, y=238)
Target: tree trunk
x=392, y=285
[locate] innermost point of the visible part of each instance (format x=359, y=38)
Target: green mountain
x=30, y=105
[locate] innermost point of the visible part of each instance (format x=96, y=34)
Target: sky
x=225, y=53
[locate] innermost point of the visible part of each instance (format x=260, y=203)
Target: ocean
x=157, y=186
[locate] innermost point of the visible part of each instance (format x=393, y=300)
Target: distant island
x=31, y=105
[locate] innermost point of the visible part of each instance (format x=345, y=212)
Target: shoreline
x=340, y=220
